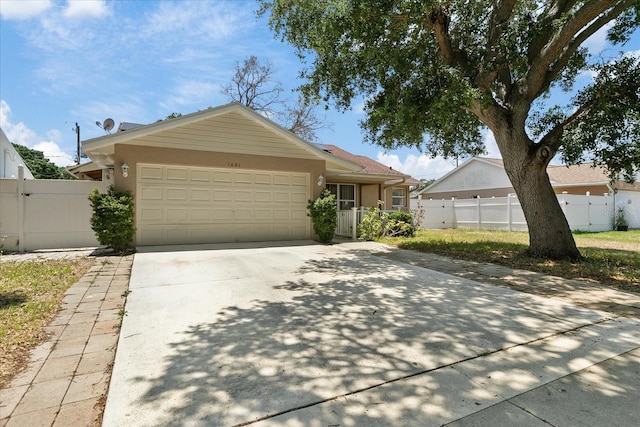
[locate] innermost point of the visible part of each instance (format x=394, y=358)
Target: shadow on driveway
x=358, y=339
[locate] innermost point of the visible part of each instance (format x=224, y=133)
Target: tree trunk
x=526, y=165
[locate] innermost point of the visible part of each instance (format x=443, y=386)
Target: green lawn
x=30, y=294
x=610, y=258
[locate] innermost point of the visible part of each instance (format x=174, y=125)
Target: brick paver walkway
x=68, y=376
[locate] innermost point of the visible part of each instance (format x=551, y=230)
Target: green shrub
x=324, y=215
x=400, y=224
x=371, y=227
x=112, y=218
x=377, y=224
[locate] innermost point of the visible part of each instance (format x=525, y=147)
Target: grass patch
x=610, y=258
x=30, y=294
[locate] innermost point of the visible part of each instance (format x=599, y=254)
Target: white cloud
x=20, y=9
x=191, y=92
x=598, y=41
x=491, y=146
x=425, y=167
x=419, y=167
x=85, y=9
x=213, y=21
x=20, y=133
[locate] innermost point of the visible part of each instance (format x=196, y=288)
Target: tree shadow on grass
x=12, y=298
x=344, y=327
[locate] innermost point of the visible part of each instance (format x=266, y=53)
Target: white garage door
x=184, y=205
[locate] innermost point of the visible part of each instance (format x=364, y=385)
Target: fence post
x=588, y=210
x=509, y=214
x=478, y=216
x=21, y=196
x=563, y=203
x=354, y=223
x=454, y=223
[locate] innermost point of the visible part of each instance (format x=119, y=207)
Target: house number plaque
x=233, y=164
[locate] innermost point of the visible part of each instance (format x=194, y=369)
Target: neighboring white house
x=485, y=177
x=10, y=159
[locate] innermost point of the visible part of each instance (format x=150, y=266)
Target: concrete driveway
x=309, y=335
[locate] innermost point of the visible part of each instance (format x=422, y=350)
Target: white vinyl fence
x=583, y=212
x=46, y=214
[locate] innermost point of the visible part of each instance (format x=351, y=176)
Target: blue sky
x=83, y=61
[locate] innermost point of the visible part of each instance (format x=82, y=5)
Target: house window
x=398, y=197
x=345, y=195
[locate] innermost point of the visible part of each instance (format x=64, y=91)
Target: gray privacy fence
x=583, y=212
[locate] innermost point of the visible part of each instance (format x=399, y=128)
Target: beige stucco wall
x=132, y=155
x=369, y=195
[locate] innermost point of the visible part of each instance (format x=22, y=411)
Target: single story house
x=485, y=177
x=10, y=159
x=228, y=174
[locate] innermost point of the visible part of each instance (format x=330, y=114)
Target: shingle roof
x=576, y=174
x=563, y=174
x=370, y=166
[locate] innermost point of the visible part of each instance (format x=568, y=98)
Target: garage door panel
x=150, y=214
x=262, y=196
x=299, y=197
x=263, y=178
x=200, y=175
x=243, y=178
x=177, y=174
x=223, y=195
x=243, y=196
x=200, y=195
x=200, y=214
x=222, y=214
x=281, y=197
x=150, y=172
x=183, y=205
x=177, y=194
x=176, y=214
x=222, y=176
x=151, y=193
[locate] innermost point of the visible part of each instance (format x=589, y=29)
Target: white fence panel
x=437, y=213
x=587, y=213
x=583, y=212
x=46, y=214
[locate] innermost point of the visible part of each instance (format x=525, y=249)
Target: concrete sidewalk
x=67, y=378
x=313, y=335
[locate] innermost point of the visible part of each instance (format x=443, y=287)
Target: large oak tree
x=436, y=73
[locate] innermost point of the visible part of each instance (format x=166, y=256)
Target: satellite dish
x=108, y=124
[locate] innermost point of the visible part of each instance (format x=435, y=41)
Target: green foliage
x=377, y=223
x=40, y=166
x=324, y=215
x=448, y=69
x=400, y=224
x=113, y=219
x=371, y=227
x=621, y=220
x=436, y=74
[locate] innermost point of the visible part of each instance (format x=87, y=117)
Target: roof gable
x=231, y=128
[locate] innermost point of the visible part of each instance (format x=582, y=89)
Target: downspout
x=384, y=190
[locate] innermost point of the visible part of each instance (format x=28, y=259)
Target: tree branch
x=538, y=77
x=552, y=138
x=564, y=58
